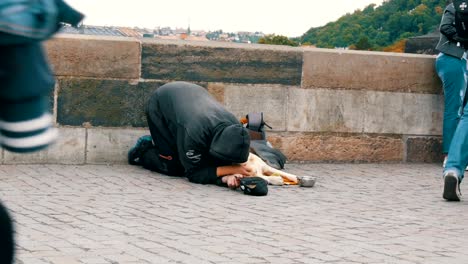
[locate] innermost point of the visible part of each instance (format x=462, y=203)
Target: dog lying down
x=269, y=174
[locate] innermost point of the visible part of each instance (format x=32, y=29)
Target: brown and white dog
x=271, y=175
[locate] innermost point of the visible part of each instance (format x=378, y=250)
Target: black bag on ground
x=255, y=186
x=259, y=145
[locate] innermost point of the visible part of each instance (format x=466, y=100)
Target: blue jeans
x=453, y=74
x=458, y=154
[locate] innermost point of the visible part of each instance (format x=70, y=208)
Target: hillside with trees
x=378, y=27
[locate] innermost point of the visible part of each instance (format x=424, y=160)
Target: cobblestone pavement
x=356, y=213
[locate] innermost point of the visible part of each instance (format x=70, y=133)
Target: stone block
x=422, y=114
x=110, y=146
x=377, y=71
x=383, y=112
x=227, y=63
x=269, y=99
x=69, y=149
x=424, y=149
x=109, y=103
x=324, y=110
x=336, y=147
x=403, y=113
x=217, y=90
x=92, y=56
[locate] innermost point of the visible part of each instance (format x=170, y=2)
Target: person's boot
x=142, y=145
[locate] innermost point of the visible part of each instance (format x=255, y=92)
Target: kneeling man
x=193, y=135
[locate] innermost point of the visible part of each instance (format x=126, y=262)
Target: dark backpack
x=259, y=144
x=461, y=17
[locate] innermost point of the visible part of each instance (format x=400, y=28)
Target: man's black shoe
x=143, y=144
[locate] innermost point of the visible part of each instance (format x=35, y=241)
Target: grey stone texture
x=326, y=105
x=92, y=56
x=424, y=149
x=100, y=145
x=326, y=110
x=269, y=99
x=69, y=149
x=356, y=213
x=323, y=110
x=376, y=71
x=109, y=103
x=339, y=147
x=110, y=146
x=192, y=61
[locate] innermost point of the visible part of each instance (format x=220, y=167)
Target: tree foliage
x=277, y=40
x=378, y=27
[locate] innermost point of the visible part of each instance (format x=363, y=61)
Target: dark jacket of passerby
x=450, y=42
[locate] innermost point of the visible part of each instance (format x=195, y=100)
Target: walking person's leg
x=452, y=72
x=457, y=160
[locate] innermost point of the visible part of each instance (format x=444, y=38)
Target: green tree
x=277, y=40
x=363, y=44
x=383, y=26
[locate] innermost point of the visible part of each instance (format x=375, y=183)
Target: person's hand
x=232, y=181
x=248, y=169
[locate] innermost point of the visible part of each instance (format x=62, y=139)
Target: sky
x=290, y=18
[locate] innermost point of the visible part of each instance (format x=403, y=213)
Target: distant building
x=93, y=30
x=165, y=31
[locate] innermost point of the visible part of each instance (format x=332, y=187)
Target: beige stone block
x=337, y=147
x=109, y=145
x=69, y=149
x=422, y=114
x=217, y=91
x=384, y=113
x=269, y=99
x=324, y=110
x=403, y=113
x=363, y=70
x=92, y=56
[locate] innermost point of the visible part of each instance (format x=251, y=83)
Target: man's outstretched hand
x=232, y=181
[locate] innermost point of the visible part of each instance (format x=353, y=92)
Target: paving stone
x=356, y=213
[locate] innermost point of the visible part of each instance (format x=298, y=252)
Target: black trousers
x=163, y=157
x=26, y=82
x=7, y=245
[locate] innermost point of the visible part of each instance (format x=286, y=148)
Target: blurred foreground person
x=26, y=82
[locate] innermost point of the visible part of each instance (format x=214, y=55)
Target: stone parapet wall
x=324, y=105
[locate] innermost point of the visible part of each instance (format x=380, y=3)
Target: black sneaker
x=142, y=145
x=451, y=186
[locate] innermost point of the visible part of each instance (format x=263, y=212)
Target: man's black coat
x=198, y=128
